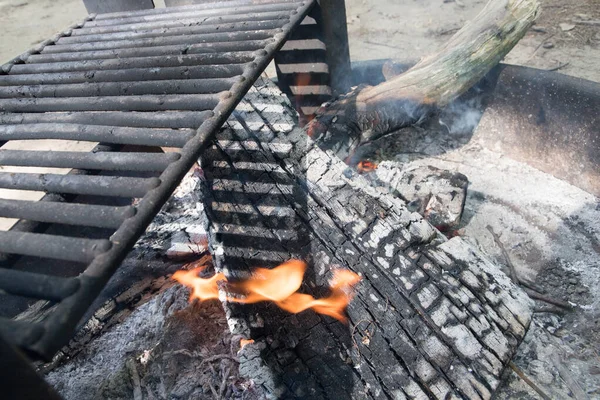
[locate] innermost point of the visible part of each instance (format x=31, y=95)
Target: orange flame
x=366, y=166
x=279, y=285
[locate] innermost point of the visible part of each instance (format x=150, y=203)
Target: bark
x=371, y=111
x=431, y=319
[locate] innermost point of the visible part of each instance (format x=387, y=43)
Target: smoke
x=462, y=116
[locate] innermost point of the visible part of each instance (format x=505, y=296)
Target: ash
x=551, y=231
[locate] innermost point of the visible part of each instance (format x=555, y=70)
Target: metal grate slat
x=95, y=133
x=85, y=160
x=37, y=286
x=66, y=213
x=79, y=184
x=52, y=246
x=159, y=78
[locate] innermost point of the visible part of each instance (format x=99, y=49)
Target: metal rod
x=185, y=102
x=133, y=74
x=246, y=25
x=167, y=10
x=162, y=41
x=77, y=184
x=52, y=246
x=121, y=161
x=37, y=286
x=19, y=379
x=66, y=213
x=186, y=12
x=188, y=20
x=199, y=48
x=92, y=133
x=170, y=119
x=135, y=62
x=178, y=86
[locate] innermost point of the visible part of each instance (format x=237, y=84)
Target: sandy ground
x=552, y=235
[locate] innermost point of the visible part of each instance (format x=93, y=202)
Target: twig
x=224, y=383
x=549, y=309
x=212, y=389
x=594, y=22
x=528, y=381
x=135, y=380
x=558, y=67
x=513, y=271
x=538, y=296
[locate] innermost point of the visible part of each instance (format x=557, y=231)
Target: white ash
x=551, y=231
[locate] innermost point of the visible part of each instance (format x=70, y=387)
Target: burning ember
x=279, y=285
x=366, y=166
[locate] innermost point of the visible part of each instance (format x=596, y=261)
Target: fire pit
x=430, y=318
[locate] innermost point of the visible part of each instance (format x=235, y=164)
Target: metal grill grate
x=165, y=77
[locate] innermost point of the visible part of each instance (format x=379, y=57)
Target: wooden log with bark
x=432, y=318
x=368, y=112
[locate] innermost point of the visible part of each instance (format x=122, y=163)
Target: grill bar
x=179, y=86
x=170, y=119
x=87, y=160
x=20, y=333
x=77, y=184
x=91, y=133
x=172, y=31
x=112, y=103
x=221, y=20
x=52, y=246
x=185, y=12
x=66, y=213
x=171, y=10
x=37, y=286
x=163, y=41
x=179, y=49
x=137, y=62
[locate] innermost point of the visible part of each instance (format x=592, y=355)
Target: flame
x=366, y=166
x=245, y=342
x=279, y=285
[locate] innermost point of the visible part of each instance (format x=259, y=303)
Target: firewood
x=369, y=112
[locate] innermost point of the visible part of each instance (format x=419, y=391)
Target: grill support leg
x=108, y=6
x=315, y=62
x=19, y=380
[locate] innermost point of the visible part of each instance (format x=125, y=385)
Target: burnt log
x=432, y=317
x=368, y=112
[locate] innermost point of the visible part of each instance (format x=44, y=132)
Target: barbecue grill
x=131, y=82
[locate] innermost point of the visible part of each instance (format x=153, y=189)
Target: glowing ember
x=244, y=342
x=279, y=285
x=366, y=166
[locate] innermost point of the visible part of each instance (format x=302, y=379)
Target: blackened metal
x=175, y=9
x=172, y=31
x=99, y=271
x=66, y=213
x=126, y=75
x=107, y=6
x=52, y=246
x=179, y=86
x=189, y=20
x=88, y=160
x=169, y=119
x=199, y=48
x=136, y=62
x=164, y=41
x=20, y=333
x=19, y=380
x=92, y=185
x=333, y=20
x=186, y=12
x=188, y=102
x=37, y=286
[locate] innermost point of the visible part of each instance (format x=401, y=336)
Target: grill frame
x=42, y=340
